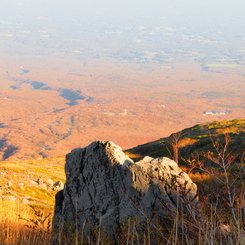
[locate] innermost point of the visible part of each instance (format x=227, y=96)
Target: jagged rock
x=50, y=183
x=58, y=185
x=41, y=184
x=104, y=186
x=33, y=182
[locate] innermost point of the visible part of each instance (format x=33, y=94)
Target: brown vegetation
x=129, y=105
x=21, y=224
x=220, y=219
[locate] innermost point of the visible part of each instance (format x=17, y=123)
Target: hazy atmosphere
x=77, y=71
x=122, y=122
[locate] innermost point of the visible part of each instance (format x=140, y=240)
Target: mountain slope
x=32, y=182
x=196, y=139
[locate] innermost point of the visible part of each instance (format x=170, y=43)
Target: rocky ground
x=31, y=182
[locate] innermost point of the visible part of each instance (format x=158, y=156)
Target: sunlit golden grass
x=196, y=176
x=19, y=181
x=14, y=221
x=36, y=194
x=229, y=130
x=20, y=225
x=186, y=141
x=132, y=155
x=16, y=167
x=47, y=166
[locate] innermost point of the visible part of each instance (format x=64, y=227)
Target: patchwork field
x=61, y=88
x=48, y=111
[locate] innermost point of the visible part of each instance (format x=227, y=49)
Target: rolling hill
x=197, y=139
x=31, y=181
x=28, y=188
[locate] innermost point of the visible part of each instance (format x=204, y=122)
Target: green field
x=221, y=65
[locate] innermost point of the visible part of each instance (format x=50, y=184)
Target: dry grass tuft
x=132, y=155
x=20, y=225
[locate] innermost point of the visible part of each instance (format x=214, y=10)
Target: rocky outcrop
x=104, y=186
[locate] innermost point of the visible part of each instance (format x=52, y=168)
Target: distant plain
x=66, y=83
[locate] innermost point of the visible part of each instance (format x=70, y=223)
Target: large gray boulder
x=104, y=186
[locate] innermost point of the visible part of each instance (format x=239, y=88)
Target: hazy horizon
x=143, y=69
x=177, y=11
x=220, y=21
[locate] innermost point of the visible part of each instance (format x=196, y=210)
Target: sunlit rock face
x=104, y=186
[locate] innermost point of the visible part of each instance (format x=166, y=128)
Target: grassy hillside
x=31, y=182
x=197, y=139
x=27, y=191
